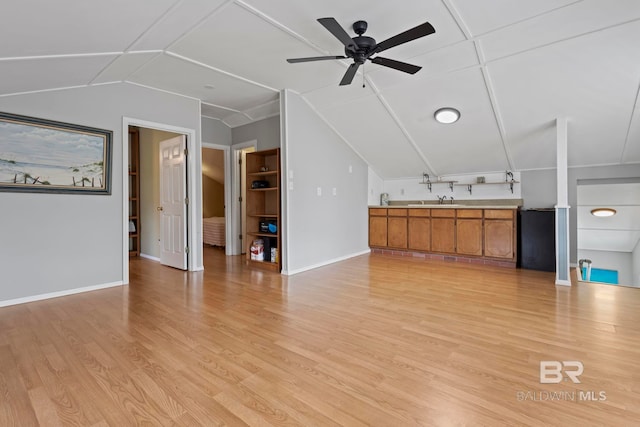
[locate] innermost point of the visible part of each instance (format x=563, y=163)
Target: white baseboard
x=152, y=258
x=58, y=294
x=322, y=264
x=563, y=282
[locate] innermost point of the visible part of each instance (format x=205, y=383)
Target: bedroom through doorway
x=214, y=221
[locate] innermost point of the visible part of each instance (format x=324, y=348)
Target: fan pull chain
x=363, y=76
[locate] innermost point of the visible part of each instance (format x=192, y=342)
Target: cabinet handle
x=159, y=208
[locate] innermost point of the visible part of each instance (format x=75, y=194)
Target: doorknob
x=159, y=208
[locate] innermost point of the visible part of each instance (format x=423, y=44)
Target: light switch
x=291, y=185
x=335, y=191
x=319, y=191
x=350, y=169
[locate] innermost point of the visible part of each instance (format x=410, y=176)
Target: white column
x=562, y=205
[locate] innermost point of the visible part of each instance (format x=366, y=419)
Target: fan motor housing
x=365, y=45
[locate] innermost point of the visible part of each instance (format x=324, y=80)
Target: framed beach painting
x=38, y=155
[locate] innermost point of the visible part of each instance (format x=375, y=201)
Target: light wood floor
x=369, y=341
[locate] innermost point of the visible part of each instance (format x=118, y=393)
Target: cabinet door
x=499, y=239
x=397, y=232
x=469, y=237
x=420, y=234
x=443, y=233
x=378, y=231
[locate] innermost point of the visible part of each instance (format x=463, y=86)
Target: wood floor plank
x=374, y=340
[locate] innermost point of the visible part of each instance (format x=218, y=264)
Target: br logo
x=551, y=371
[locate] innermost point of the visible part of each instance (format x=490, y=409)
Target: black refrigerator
x=537, y=239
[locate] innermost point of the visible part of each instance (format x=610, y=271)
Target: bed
x=213, y=231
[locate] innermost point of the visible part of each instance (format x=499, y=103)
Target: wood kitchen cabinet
x=464, y=232
x=419, y=229
x=443, y=230
x=469, y=232
x=378, y=227
x=397, y=228
x=500, y=234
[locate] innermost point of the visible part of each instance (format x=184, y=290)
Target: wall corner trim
x=67, y=292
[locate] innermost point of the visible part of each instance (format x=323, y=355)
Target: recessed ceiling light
x=603, y=212
x=447, y=115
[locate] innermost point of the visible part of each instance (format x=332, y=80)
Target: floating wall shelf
x=426, y=181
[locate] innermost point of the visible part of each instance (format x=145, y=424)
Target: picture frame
x=46, y=156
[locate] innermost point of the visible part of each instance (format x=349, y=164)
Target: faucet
x=441, y=199
x=451, y=202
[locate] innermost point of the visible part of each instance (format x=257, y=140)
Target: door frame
x=228, y=250
x=235, y=194
x=193, y=182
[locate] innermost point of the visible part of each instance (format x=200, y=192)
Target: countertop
x=455, y=206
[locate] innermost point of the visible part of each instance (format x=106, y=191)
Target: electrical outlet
x=402, y=191
x=291, y=185
x=335, y=191
x=350, y=169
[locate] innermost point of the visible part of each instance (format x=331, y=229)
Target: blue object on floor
x=604, y=276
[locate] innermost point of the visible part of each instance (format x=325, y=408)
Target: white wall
x=56, y=243
x=376, y=187
x=609, y=260
x=215, y=132
x=266, y=131
x=320, y=228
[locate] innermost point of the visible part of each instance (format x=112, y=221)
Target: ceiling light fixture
x=447, y=115
x=602, y=212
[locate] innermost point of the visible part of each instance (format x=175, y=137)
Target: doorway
x=609, y=246
x=216, y=185
x=149, y=224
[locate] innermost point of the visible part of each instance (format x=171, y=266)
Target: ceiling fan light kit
x=361, y=48
x=447, y=115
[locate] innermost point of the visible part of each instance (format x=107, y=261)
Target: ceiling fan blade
x=338, y=32
x=314, y=58
x=401, y=66
x=350, y=74
x=409, y=35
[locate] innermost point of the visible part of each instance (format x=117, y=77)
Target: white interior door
x=173, y=203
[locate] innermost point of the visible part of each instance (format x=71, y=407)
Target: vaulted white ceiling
x=510, y=66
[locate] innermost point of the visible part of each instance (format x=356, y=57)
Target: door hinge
x=240, y=199
x=186, y=151
x=240, y=161
x=186, y=200
x=240, y=237
x=186, y=250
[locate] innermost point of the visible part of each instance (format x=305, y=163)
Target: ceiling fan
x=361, y=48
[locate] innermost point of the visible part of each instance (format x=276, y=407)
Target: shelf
x=509, y=183
x=263, y=189
x=263, y=204
x=258, y=234
x=430, y=184
x=267, y=173
x=265, y=264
